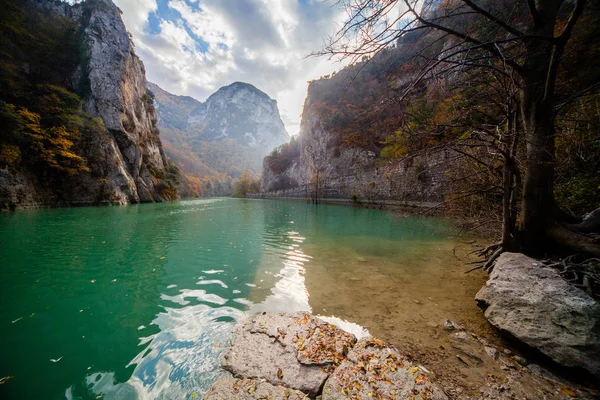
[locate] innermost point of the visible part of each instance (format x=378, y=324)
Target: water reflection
x=180, y=360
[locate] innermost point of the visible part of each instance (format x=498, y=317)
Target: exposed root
x=475, y=268
x=490, y=249
x=489, y=265
x=580, y=243
x=487, y=262
x=581, y=273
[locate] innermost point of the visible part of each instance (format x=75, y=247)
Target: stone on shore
x=250, y=389
x=297, y=351
x=376, y=370
x=536, y=306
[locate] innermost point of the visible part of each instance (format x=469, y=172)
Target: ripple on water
x=212, y=282
x=180, y=360
x=200, y=295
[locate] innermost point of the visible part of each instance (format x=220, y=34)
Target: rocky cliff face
x=318, y=163
x=126, y=160
x=117, y=95
x=242, y=112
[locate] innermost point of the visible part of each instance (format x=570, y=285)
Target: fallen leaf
x=567, y=391
x=6, y=379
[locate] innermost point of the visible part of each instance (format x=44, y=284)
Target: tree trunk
x=538, y=188
x=537, y=110
x=511, y=182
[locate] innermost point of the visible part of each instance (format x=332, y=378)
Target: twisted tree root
x=489, y=265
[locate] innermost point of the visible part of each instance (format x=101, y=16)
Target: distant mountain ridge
x=238, y=111
x=175, y=110
x=216, y=140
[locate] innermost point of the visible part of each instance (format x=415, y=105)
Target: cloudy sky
x=194, y=47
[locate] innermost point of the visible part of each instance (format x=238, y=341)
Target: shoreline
x=347, y=201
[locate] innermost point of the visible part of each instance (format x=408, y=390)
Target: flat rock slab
x=250, y=389
x=536, y=306
x=374, y=370
x=297, y=351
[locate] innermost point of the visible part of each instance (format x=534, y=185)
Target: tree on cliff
x=245, y=184
x=523, y=41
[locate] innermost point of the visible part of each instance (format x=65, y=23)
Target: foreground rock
x=231, y=388
x=294, y=350
x=536, y=306
x=375, y=370
x=278, y=356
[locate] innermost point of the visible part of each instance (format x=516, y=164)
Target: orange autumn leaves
x=54, y=144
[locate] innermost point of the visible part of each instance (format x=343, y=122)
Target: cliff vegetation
x=41, y=119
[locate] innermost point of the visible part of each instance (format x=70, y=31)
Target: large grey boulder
x=297, y=351
x=250, y=389
x=536, y=306
x=376, y=370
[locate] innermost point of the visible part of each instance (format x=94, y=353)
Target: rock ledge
x=292, y=356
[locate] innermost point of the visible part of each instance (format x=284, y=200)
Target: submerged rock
x=294, y=350
x=536, y=306
x=376, y=370
x=451, y=326
x=242, y=389
x=491, y=351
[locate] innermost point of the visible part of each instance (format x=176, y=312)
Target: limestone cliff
x=117, y=83
x=125, y=159
x=316, y=162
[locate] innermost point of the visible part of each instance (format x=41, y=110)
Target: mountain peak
x=239, y=122
x=237, y=87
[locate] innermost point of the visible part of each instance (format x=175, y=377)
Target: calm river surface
x=139, y=301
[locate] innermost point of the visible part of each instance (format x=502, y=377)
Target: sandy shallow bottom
x=404, y=298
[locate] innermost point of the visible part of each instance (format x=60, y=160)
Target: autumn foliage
x=282, y=157
x=41, y=121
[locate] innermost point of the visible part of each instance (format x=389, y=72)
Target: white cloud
x=262, y=42
x=135, y=14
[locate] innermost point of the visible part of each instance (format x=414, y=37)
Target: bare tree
x=522, y=40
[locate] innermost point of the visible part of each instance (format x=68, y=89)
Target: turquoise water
x=139, y=301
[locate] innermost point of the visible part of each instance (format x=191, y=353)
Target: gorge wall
x=316, y=164
x=124, y=159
